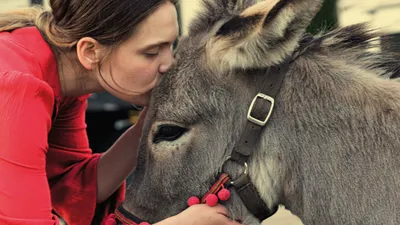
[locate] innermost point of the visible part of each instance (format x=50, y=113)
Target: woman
x=49, y=63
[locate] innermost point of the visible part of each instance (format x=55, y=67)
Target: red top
x=45, y=164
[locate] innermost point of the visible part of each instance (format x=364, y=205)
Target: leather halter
x=259, y=112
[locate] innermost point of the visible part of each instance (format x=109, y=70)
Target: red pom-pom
x=193, y=201
x=211, y=200
x=111, y=221
x=224, y=194
x=144, y=223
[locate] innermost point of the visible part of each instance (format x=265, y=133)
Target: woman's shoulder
x=31, y=59
x=17, y=55
x=21, y=92
x=28, y=53
x=24, y=84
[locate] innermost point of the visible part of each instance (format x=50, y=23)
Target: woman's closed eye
x=152, y=52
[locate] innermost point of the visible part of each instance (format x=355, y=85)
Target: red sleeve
x=72, y=168
x=25, y=119
x=44, y=166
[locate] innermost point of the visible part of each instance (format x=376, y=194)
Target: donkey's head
x=198, y=111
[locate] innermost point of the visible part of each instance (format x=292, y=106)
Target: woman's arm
x=78, y=177
x=119, y=161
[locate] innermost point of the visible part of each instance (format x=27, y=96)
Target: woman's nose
x=167, y=62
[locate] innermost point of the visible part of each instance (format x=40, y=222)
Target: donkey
x=308, y=122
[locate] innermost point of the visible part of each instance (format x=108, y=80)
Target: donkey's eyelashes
x=168, y=133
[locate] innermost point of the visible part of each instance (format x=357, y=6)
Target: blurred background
x=107, y=117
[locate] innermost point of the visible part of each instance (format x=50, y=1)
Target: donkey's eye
x=168, y=133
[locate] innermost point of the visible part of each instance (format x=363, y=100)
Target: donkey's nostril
x=168, y=133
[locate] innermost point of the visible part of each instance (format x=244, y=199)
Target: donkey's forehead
x=188, y=92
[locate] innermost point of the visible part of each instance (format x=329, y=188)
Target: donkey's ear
x=262, y=35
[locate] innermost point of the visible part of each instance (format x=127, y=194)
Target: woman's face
x=135, y=67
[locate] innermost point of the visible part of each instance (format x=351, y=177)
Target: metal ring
x=245, y=166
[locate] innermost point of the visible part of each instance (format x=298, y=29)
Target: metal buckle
x=255, y=120
x=245, y=169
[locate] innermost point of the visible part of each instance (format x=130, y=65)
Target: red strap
x=218, y=185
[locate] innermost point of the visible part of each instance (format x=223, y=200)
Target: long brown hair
x=109, y=22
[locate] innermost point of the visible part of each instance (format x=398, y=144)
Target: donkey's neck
x=324, y=100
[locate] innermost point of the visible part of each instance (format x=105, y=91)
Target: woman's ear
x=89, y=52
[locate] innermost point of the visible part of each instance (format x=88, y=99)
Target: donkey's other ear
x=262, y=35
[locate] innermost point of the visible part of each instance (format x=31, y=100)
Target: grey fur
x=331, y=150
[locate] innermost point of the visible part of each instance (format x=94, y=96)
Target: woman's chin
x=140, y=101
